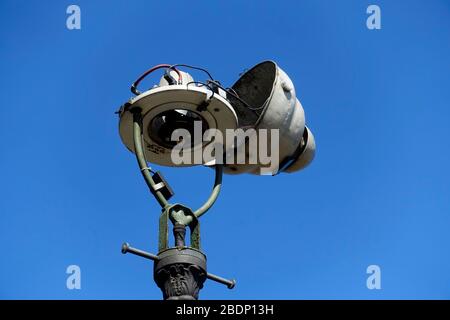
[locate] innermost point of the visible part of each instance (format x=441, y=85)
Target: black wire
x=234, y=91
x=192, y=67
x=237, y=97
x=203, y=84
x=230, y=91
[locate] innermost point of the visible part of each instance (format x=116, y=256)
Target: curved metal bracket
x=215, y=192
x=138, y=149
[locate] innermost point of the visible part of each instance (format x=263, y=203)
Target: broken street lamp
x=257, y=126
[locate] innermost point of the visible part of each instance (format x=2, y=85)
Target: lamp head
x=168, y=107
x=261, y=106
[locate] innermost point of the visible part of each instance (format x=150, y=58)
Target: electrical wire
x=230, y=91
x=205, y=103
x=234, y=91
x=203, y=84
x=192, y=67
x=237, y=97
x=146, y=73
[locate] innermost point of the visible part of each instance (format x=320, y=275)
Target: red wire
x=159, y=66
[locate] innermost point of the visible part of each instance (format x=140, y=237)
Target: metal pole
x=229, y=283
x=126, y=248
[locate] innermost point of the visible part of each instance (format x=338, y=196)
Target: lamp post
x=262, y=99
x=179, y=271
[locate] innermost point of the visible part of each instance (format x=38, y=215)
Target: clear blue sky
x=377, y=192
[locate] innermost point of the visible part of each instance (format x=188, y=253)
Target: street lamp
x=150, y=124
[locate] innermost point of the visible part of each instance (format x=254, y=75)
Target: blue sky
x=377, y=192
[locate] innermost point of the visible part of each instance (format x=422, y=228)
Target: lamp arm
x=137, y=136
x=214, y=194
